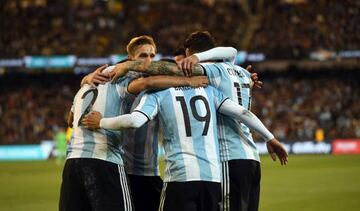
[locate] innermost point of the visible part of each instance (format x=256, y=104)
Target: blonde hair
x=136, y=42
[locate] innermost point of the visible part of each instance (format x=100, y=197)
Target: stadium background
x=307, y=54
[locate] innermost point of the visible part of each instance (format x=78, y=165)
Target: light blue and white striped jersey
x=110, y=100
x=188, y=120
x=141, y=147
x=236, y=141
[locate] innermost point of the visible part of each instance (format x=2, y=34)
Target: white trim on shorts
x=125, y=189
x=163, y=196
x=225, y=187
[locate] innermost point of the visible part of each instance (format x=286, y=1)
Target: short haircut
x=180, y=51
x=136, y=42
x=199, y=41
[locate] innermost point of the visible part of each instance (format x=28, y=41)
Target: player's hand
x=92, y=120
x=186, y=64
x=98, y=77
x=254, y=77
x=275, y=148
x=198, y=81
x=119, y=71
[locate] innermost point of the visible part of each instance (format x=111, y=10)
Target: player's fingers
x=179, y=64
x=104, y=78
x=84, y=121
x=92, y=84
x=188, y=66
x=96, y=81
x=248, y=68
x=183, y=65
x=273, y=156
x=191, y=69
x=114, y=78
x=100, y=69
x=258, y=86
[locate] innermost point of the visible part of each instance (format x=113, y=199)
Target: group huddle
x=197, y=105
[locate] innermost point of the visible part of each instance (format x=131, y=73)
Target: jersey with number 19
x=110, y=100
x=236, y=141
x=188, y=120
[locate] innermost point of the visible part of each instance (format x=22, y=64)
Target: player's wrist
x=199, y=57
x=102, y=123
x=270, y=139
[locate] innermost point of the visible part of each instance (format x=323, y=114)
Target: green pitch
x=321, y=182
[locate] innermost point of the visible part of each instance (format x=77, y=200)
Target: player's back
x=110, y=100
x=235, y=83
x=188, y=120
x=140, y=150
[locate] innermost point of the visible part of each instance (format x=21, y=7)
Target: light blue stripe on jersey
x=155, y=146
x=235, y=138
x=114, y=109
x=87, y=134
x=112, y=100
x=189, y=155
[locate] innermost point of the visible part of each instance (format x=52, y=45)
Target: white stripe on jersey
x=210, y=149
x=247, y=148
x=234, y=96
x=192, y=171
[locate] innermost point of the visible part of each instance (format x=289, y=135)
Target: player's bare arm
x=96, y=77
x=163, y=82
x=152, y=68
x=218, y=53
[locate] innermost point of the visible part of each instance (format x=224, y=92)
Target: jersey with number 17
x=188, y=120
x=236, y=141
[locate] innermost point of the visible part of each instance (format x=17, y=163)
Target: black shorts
x=241, y=185
x=145, y=192
x=93, y=184
x=191, y=196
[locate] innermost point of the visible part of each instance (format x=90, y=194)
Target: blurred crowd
x=35, y=107
x=310, y=108
x=96, y=27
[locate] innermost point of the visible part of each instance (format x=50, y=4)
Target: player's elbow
x=148, y=83
x=134, y=124
x=233, y=51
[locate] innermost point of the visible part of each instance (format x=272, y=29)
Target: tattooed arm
x=153, y=68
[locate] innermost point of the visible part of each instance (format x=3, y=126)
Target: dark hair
x=199, y=41
x=180, y=51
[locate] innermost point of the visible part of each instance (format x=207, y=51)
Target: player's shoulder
x=243, y=70
x=211, y=89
